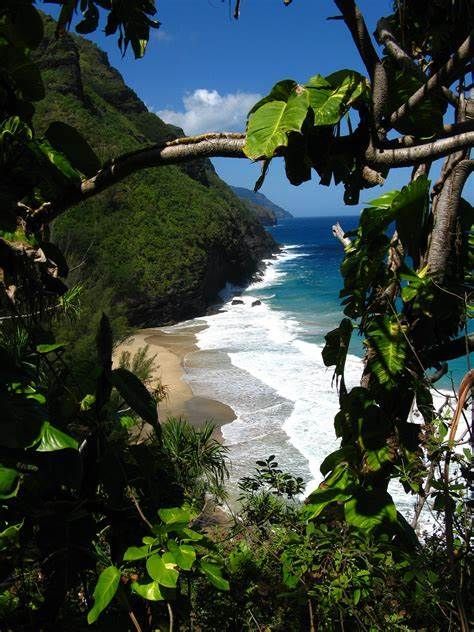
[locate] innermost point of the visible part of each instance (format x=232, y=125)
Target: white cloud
x=208, y=111
x=160, y=35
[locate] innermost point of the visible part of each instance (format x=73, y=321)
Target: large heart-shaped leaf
x=386, y=338
x=269, y=125
x=330, y=97
x=162, y=570
x=148, y=590
x=104, y=592
x=175, y=516
x=184, y=554
x=370, y=509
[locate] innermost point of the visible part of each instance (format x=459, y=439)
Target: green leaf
x=49, y=348
x=269, y=125
x=335, y=488
x=386, y=338
x=175, y=516
x=331, y=97
x=385, y=200
x=346, y=454
x=23, y=416
x=25, y=73
x=162, y=570
x=53, y=439
x=214, y=574
x=410, y=208
x=9, y=482
x=189, y=534
x=150, y=591
x=104, y=592
x=136, y=395
x=184, y=554
x=280, y=92
x=74, y=146
x=9, y=536
x=369, y=510
x=136, y=553
x=59, y=161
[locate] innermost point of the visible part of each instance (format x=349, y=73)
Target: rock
x=257, y=302
x=237, y=301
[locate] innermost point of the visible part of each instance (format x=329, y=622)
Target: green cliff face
x=158, y=247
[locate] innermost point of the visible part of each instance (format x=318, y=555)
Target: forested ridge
x=186, y=233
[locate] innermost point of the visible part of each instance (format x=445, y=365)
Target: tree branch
x=174, y=152
x=444, y=223
x=356, y=25
x=386, y=38
x=340, y=234
x=445, y=75
x=449, y=350
x=227, y=145
x=410, y=156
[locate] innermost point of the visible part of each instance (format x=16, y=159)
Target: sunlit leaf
x=53, y=439
x=104, y=592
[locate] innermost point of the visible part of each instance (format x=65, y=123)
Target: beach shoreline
x=171, y=351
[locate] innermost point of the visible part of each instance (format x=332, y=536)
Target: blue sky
x=203, y=71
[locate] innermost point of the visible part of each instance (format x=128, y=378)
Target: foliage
x=154, y=570
x=267, y=495
x=79, y=486
x=199, y=459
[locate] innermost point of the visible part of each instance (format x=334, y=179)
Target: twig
x=339, y=234
x=171, y=617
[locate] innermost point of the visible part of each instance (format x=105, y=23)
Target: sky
x=203, y=71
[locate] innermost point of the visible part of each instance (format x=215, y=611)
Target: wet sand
x=171, y=351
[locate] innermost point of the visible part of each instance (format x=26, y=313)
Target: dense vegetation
x=186, y=233
x=103, y=509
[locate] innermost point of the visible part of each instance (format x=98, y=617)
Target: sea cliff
x=160, y=246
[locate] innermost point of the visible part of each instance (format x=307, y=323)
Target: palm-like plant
x=200, y=461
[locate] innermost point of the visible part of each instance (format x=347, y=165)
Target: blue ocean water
x=312, y=283
x=261, y=355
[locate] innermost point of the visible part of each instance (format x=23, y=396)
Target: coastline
x=171, y=351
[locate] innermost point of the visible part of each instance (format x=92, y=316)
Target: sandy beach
x=170, y=351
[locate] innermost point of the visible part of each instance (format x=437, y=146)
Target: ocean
x=264, y=359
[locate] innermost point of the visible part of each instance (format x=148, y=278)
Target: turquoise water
x=262, y=356
x=311, y=288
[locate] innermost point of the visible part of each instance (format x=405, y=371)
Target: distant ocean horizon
x=265, y=360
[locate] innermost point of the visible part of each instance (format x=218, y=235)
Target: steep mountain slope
x=159, y=246
x=261, y=204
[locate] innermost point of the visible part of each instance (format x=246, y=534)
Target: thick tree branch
x=386, y=38
x=445, y=75
x=445, y=222
x=227, y=145
x=180, y=150
x=449, y=350
x=356, y=25
x=410, y=156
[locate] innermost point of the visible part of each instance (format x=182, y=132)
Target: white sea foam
x=252, y=359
